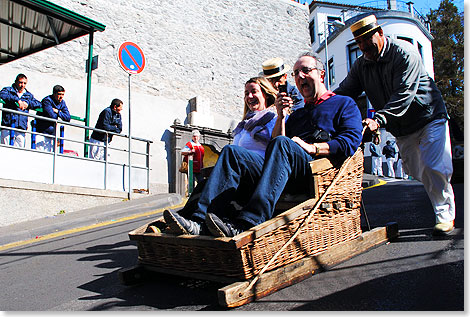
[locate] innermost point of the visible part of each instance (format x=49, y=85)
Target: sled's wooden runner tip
x=234, y=295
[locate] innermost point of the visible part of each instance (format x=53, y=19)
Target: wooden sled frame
x=258, y=284
x=235, y=294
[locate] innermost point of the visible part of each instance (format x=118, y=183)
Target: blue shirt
x=108, y=120
x=48, y=104
x=338, y=115
x=10, y=96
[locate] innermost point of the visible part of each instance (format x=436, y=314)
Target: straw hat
x=365, y=26
x=274, y=67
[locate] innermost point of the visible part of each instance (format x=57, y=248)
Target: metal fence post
x=33, y=135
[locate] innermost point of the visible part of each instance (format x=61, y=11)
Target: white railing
x=60, y=167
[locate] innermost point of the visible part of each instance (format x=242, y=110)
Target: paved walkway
x=35, y=228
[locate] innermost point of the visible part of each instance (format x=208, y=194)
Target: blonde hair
x=270, y=93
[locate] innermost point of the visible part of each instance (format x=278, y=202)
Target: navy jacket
x=48, y=104
x=10, y=96
x=338, y=115
x=389, y=151
x=108, y=120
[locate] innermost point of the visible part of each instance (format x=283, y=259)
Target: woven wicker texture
x=336, y=221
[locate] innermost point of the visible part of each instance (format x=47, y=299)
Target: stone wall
x=194, y=48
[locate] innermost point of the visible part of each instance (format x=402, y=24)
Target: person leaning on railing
x=18, y=98
x=53, y=107
x=109, y=120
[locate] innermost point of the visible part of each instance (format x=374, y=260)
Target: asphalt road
x=78, y=271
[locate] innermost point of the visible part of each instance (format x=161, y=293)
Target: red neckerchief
x=327, y=95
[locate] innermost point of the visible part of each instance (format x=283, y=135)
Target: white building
x=398, y=19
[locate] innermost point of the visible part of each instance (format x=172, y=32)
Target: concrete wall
x=194, y=48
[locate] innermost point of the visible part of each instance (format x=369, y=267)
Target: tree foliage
x=447, y=26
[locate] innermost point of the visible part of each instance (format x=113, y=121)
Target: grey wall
x=203, y=48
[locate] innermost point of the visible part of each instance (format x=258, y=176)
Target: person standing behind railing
x=16, y=98
x=53, y=107
x=376, y=156
x=109, y=120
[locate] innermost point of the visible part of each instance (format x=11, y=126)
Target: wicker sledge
x=316, y=223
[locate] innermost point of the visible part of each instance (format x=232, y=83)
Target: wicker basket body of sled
x=243, y=256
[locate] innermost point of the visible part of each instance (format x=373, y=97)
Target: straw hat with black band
x=365, y=26
x=274, y=67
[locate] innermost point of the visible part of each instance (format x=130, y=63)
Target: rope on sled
x=306, y=219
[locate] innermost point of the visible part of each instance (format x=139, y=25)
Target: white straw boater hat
x=274, y=67
x=364, y=26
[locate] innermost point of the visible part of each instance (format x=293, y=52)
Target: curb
x=39, y=227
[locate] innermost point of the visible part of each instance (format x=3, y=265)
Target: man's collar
x=327, y=95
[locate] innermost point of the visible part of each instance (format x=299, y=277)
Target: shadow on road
x=426, y=288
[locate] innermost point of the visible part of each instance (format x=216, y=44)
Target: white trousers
x=427, y=157
x=97, y=152
x=44, y=143
x=19, y=138
x=377, y=166
x=400, y=172
x=391, y=171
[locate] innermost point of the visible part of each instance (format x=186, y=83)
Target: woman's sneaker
x=222, y=228
x=180, y=225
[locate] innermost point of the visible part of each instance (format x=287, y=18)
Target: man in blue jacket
x=109, y=120
x=389, y=152
x=16, y=98
x=275, y=71
x=53, y=107
x=328, y=125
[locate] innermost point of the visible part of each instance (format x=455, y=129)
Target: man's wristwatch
x=317, y=149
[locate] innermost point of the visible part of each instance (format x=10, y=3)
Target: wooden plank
x=321, y=165
x=235, y=295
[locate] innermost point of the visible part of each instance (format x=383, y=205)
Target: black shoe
x=180, y=225
x=222, y=228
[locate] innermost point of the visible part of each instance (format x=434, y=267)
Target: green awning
x=30, y=26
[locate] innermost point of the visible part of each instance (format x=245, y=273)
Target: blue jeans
x=254, y=182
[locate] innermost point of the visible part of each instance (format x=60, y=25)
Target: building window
x=331, y=72
x=354, y=52
x=331, y=27
x=311, y=28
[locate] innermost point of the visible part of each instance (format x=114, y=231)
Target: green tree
x=447, y=26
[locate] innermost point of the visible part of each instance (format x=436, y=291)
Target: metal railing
x=405, y=6
x=59, y=140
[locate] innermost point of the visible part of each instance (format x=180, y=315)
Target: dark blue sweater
x=10, y=96
x=108, y=120
x=48, y=104
x=338, y=115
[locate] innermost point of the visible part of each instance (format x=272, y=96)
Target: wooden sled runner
x=320, y=231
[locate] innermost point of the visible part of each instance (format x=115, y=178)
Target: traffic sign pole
x=130, y=188
x=132, y=60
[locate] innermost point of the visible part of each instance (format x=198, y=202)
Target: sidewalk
x=86, y=217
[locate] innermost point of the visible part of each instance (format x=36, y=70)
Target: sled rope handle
x=310, y=214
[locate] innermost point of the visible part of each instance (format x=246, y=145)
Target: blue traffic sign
x=131, y=58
